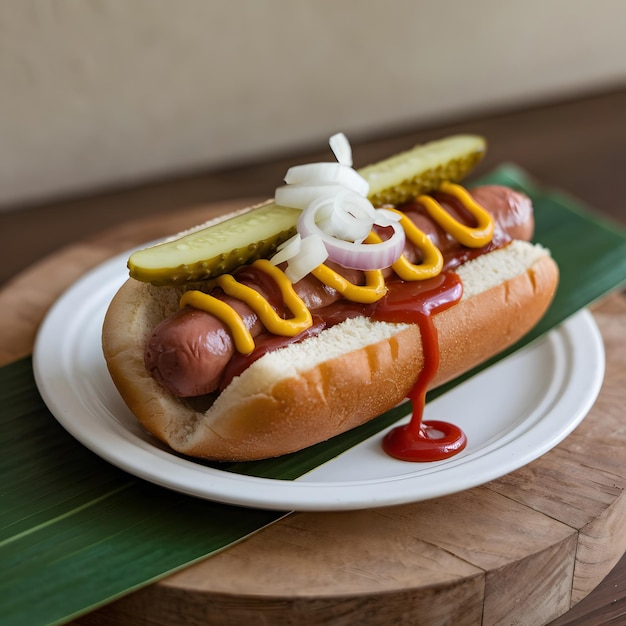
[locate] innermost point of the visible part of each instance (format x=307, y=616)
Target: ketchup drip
x=415, y=303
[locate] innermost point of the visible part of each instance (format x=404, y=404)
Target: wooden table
x=522, y=549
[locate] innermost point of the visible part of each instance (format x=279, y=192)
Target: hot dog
x=181, y=372
x=171, y=356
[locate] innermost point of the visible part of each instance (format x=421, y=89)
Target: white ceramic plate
x=535, y=399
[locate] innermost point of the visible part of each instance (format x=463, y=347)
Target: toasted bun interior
x=310, y=391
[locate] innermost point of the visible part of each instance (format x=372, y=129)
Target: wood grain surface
x=520, y=550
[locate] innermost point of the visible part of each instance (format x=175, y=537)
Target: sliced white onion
x=346, y=215
x=299, y=197
x=340, y=146
x=336, y=217
x=350, y=254
x=287, y=250
x=312, y=253
x=384, y=217
x=327, y=174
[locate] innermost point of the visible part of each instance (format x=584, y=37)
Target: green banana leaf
x=77, y=533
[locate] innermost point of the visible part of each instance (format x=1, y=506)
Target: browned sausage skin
x=189, y=352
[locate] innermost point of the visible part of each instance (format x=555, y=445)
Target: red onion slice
x=336, y=217
x=351, y=253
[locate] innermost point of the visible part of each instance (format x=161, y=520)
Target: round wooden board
x=520, y=550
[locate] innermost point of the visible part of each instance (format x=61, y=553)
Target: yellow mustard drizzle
x=244, y=342
x=374, y=288
x=432, y=259
x=472, y=237
x=290, y=327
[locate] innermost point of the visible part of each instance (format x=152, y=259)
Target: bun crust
x=308, y=392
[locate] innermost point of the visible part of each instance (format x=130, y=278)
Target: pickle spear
x=222, y=247
x=403, y=177
x=217, y=249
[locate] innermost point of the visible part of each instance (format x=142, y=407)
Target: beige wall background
x=103, y=93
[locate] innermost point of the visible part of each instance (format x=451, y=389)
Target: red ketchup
x=415, y=302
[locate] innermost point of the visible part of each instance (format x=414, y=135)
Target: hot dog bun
x=310, y=391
